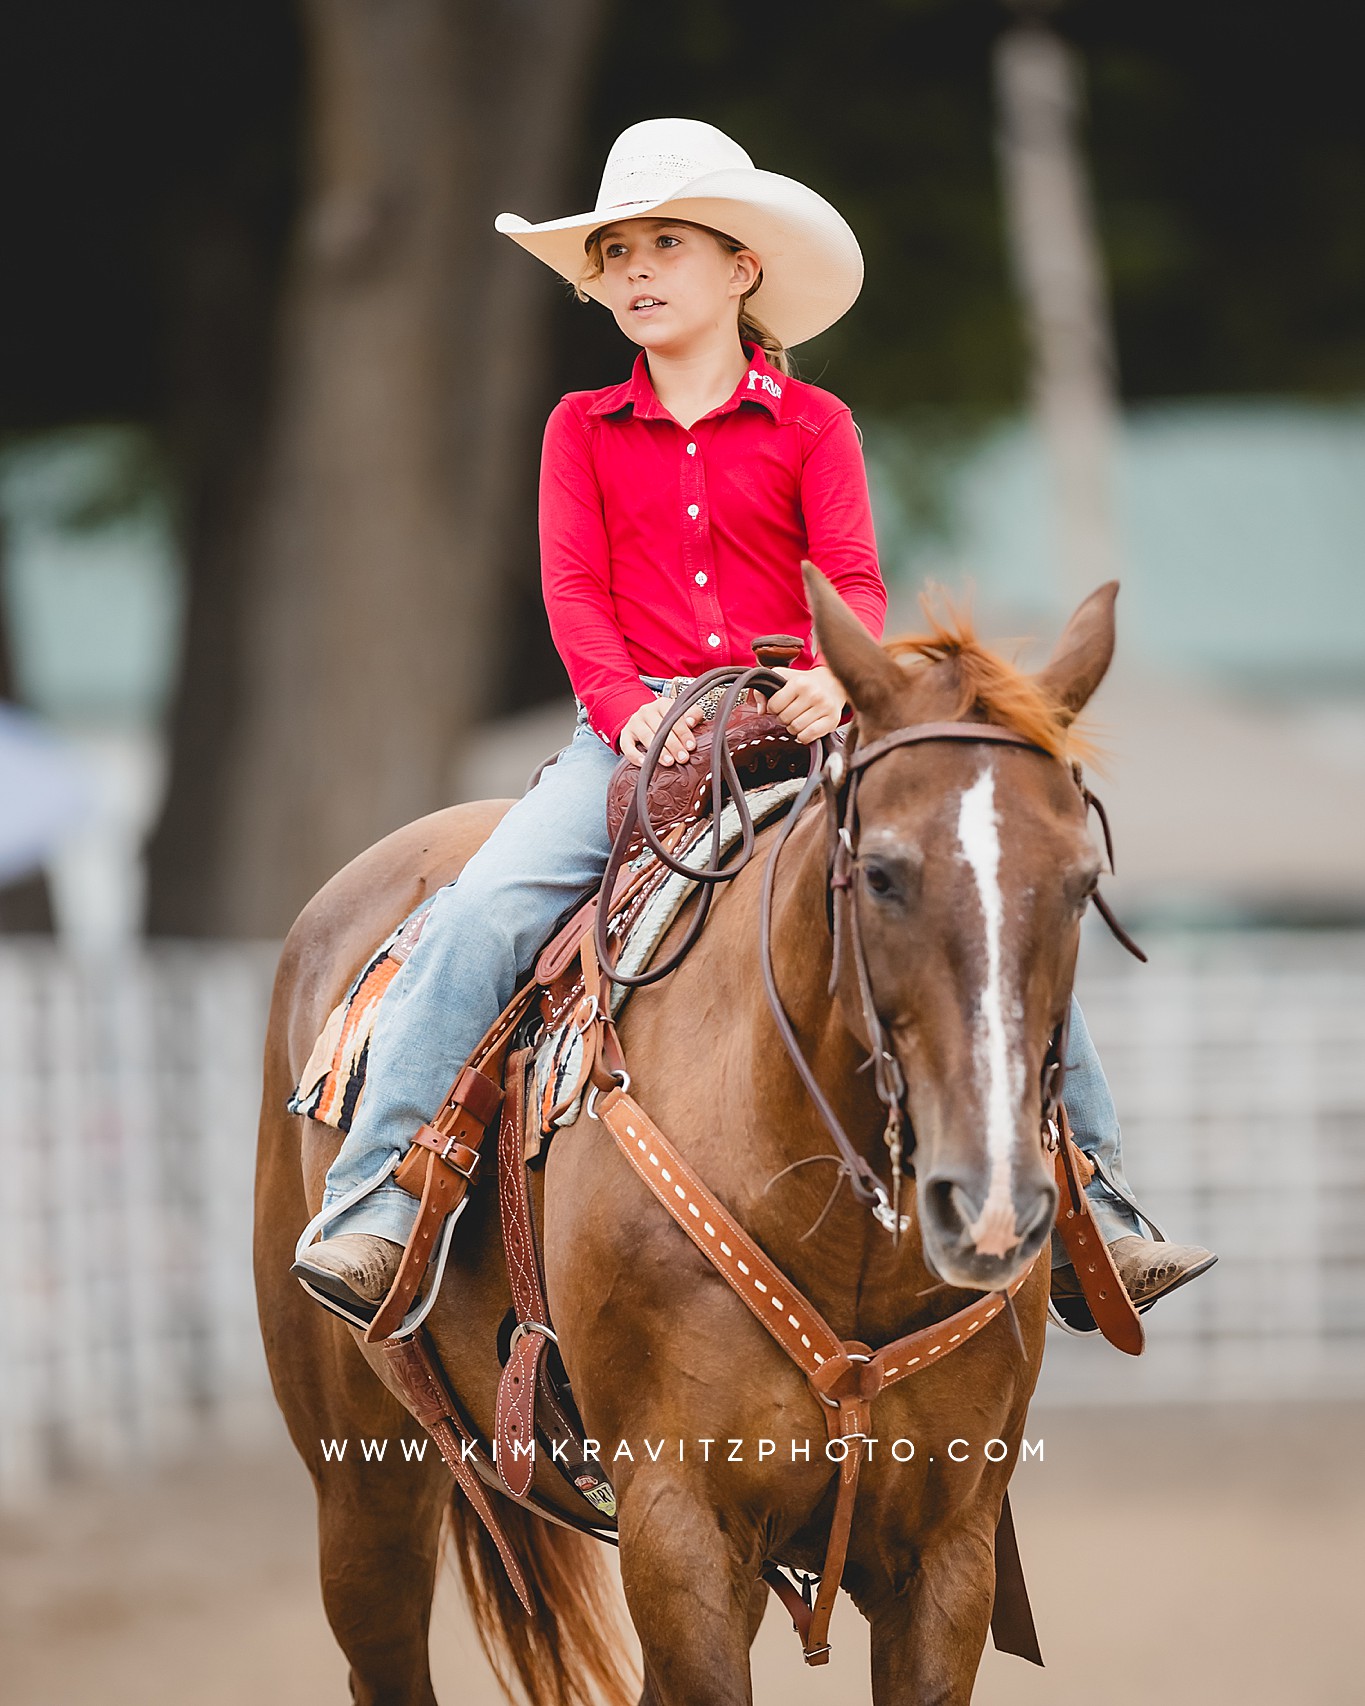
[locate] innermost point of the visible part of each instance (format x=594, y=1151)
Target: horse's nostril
x=1043, y=1215
x=953, y=1208
x=967, y=1209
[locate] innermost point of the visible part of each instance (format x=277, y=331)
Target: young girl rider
x=675, y=510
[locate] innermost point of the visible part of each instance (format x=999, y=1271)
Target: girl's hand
x=639, y=731
x=811, y=703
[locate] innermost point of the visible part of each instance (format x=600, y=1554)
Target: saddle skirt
x=332, y=1082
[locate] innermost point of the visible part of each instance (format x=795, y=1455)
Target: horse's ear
x=1082, y=655
x=873, y=681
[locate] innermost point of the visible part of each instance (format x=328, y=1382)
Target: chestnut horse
x=974, y=867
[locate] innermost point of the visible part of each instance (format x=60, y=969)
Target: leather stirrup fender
x=1104, y=1292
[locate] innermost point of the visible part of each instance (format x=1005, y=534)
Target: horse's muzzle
x=950, y=1215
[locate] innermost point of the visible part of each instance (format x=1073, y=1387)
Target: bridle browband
x=835, y=769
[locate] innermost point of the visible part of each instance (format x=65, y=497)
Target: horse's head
x=974, y=865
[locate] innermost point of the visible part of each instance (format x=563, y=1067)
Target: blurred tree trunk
x=1060, y=275
x=345, y=630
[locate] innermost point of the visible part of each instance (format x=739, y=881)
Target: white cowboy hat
x=812, y=265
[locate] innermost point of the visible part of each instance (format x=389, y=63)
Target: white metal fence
x=128, y=1098
x=128, y=1101
x=1238, y=1065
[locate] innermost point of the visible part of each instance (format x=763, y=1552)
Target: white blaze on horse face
x=978, y=831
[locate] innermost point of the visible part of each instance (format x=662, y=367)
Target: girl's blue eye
x=665, y=238
x=615, y=249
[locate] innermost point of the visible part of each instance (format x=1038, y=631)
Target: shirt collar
x=761, y=384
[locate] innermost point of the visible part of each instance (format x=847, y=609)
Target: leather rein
x=835, y=770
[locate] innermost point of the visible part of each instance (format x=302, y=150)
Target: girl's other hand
x=640, y=730
x=811, y=703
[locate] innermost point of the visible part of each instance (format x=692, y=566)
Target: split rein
x=835, y=770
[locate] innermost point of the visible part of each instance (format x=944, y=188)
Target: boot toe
x=365, y=1263
x=1150, y=1269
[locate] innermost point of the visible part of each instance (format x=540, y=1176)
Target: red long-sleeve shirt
x=668, y=551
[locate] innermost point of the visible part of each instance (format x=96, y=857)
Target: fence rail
x=128, y=1101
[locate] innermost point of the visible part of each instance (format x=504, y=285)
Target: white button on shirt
x=691, y=450
x=700, y=577
x=713, y=639
x=693, y=511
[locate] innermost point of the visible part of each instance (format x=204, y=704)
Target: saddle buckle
x=447, y=1155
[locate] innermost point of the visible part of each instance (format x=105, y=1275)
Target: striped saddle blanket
x=332, y=1083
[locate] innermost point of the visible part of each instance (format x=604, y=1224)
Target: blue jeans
x=482, y=936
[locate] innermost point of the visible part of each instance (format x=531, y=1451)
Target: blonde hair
x=751, y=328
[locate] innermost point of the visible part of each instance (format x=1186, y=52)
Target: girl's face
x=671, y=286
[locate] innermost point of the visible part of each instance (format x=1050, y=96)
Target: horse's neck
x=850, y=1259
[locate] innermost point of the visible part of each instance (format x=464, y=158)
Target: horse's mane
x=986, y=682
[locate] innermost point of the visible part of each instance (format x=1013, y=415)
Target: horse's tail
x=570, y=1652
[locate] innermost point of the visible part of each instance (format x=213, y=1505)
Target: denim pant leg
x=482, y=935
x=1095, y=1127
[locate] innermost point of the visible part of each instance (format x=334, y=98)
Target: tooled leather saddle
x=761, y=747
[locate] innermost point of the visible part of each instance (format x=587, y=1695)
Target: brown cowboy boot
x=352, y=1265
x=1148, y=1269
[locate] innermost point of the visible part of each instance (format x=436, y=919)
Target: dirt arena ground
x=1174, y=1556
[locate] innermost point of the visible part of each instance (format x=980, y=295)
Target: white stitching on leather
x=933, y=1351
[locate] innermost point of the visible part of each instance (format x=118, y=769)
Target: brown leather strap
x=423, y=1391
x=1012, y=1627
x=516, y=1406
x=527, y=1385
x=1108, y=1302
x=797, y=1608
x=793, y=1321
x=914, y=734
x=582, y=1021
x=454, y=1153
x=440, y=1166
x=434, y=1405
x=850, y=1426
x=603, y=1059
x=558, y=953
x=515, y=1419
x=845, y=1376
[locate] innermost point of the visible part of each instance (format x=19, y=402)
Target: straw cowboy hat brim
x=812, y=265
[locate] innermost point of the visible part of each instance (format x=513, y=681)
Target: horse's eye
x=876, y=879
x=1086, y=893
